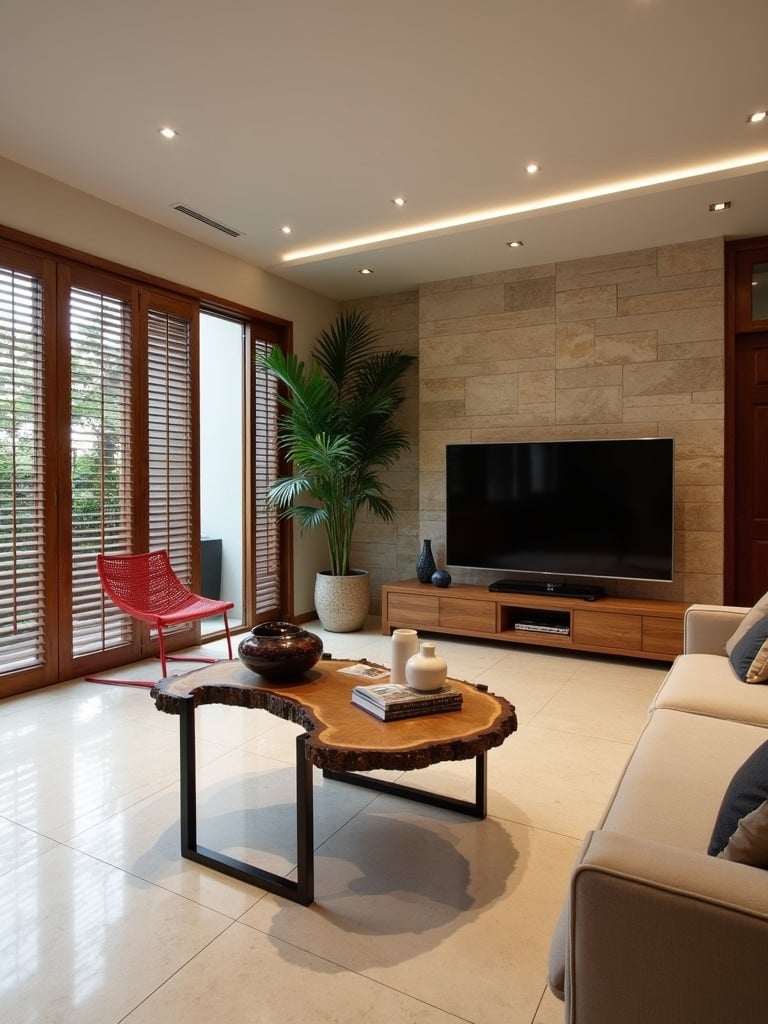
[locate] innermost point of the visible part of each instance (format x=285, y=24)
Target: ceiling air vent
x=206, y=220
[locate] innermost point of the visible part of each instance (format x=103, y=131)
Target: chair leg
x=229, y=638
x=161, y=645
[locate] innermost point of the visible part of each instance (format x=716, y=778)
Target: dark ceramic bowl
x=280, y=650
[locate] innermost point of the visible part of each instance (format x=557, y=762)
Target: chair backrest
x=143, y=584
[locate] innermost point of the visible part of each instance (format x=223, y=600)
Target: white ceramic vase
x=426, y=671
x=405, y=643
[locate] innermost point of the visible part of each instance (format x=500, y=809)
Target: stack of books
x=388, y=701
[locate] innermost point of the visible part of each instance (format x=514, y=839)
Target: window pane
x=22, y=561
x=100, y=345
x=760, y=291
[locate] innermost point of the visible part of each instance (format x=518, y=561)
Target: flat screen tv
x=601, y=508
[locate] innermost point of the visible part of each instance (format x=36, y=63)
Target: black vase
x=426, y=563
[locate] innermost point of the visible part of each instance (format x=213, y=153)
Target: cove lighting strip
x=599, y=192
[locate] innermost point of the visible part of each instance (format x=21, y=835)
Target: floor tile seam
x=549, y=700
x=540, y=1003
x=538, y=828
x=344, y=968
x=134, y=802
x=587, y=735
x=174, y=973
x=158, y=885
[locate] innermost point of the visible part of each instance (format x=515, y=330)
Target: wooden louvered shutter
x=173, y=487
x=101, y=355
x=27, y=612
x=266, y=465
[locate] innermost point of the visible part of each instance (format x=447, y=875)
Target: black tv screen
x=601, y=508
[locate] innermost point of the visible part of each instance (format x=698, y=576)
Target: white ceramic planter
x=342, y=602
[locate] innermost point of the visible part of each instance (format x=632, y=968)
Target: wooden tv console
x=610, y=625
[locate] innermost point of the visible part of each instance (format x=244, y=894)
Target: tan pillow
x=749, y=843
x=754, y=615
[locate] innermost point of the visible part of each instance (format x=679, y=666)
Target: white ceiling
x=315, y=113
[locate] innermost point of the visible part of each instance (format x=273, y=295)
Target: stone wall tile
x=588, y=405
x=637, y=347
x=514, y=274
x=585, y=303
x=445, y=389
x=537, y=388
x=678, y=282
x=599, y=270
x=575, y=344
x=463, y=302
x=673, y=377
x=589, y=376
x=658, y=302
x=497, y=394
x=538, y=294
x=691, y=257
x=692, y=350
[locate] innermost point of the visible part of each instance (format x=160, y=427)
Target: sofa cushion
x=757, y=612
x=749, y=656
x=673, y=783
x=705, y=684
x=746, y=791
x=749, y=843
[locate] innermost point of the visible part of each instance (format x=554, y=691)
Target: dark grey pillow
x=747, y=790
x=749, y=656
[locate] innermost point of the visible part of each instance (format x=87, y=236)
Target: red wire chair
x=145, y=587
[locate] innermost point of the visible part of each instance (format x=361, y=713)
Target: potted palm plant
x=337, y=432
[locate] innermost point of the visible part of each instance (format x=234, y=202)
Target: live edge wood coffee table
x=341, y=739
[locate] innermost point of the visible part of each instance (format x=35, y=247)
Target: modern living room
x=609, y=319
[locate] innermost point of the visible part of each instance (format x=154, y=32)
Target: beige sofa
x=654, y=930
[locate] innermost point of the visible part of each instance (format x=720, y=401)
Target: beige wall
x=38, y=205
x=627, y=345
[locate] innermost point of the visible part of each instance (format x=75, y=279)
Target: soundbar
x=586, y=593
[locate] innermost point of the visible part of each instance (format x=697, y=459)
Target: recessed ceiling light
x=399, y=200
x=168, y=133
x=717, y=207
x=365, y=270
x=552, y=202
x=514, y=245
x=757, y=117
x=286, y=229
x=532, y=168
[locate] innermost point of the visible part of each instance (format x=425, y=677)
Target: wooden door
x=751, y=468
x=746, y=421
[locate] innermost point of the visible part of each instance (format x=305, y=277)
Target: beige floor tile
x=427, y=903
x=19, y=845
x=245, y=976
x=83, y=943
x=554, y=780
x=551, y=1010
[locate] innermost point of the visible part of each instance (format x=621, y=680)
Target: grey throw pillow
x=759, y=611
x=746, y=791
x=749, y=656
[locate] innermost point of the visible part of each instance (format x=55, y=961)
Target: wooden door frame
x=737, y=322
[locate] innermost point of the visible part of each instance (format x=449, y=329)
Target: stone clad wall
x=626, y=345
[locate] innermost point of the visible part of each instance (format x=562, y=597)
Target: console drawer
x=662, y=636
x=469, y=615
x=417, y=610
x=616, y=631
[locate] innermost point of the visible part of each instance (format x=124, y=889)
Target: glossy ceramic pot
x=280, y=650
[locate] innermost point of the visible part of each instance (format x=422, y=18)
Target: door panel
x=750, y=570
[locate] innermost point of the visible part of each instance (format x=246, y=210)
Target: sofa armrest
x=707, y=627
x=657, y=933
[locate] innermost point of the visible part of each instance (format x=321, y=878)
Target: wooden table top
x=343, y=737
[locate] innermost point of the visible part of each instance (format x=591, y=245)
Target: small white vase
x=426, y=671
x=405, y=643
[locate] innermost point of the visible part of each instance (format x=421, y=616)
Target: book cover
x=405, y=710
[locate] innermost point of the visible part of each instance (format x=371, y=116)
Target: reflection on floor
x=420, y=914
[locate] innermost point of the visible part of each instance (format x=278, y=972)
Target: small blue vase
x=441, y=578
x=426, y=563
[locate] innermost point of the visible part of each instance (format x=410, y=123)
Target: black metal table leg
x=477, y=808
x=301, y=891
